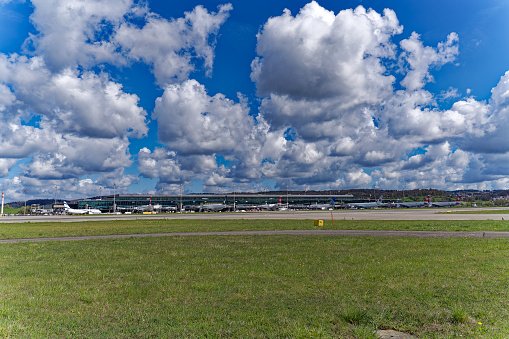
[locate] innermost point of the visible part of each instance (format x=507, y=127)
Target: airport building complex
x=238, y=201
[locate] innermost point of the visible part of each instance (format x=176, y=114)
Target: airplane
x=323, y=206
x=271, y=206
x=414, y=204
x=148, y=208
x=170, y=208
x=69, y=210
x=213, y=207
x=447, y=203
x=374, y=204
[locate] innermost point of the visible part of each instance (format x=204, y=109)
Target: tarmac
x=373, y=214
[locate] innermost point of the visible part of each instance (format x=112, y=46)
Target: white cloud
x=93, y=32
x=72, y=32
x=328, y=108
x=73, y=157
x=357, y=178
x=162, y=164
x=420, y=58
x=170, y=46
x=197, y=128
x=86, y=104
x=19, y=141
x=318, y=55
x=191, y=122
x=5, y=165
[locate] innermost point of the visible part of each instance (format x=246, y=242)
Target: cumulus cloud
x=191, y=122
x=486, y=123
x=5, y=165
x=197, y=127
x=328, y=78
x=319, y=55
x=76, y=156
x=357, y=178
x=329, y=111
x=162, y=164
x=73, y=121
x=419, y=58
x=76, y=32
x=170, y=46
x=85, y=104
x=93, y=32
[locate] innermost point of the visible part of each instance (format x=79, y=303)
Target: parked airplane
x=447, y=203
x=169, y=208
x=213, y=207
x=323, y=206
x=414, y=204
x=374, y=204
x=148, y=208
x=271, y=206
x=69, y=210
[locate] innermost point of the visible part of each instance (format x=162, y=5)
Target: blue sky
x=216, y=96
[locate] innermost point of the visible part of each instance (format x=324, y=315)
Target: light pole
x=114, y=201
x=25, y=211
x=287, y=197
x=100, y=193
x=233, y=197
x=56, y=189
x=180, y=198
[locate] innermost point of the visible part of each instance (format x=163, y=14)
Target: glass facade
x=132, y=202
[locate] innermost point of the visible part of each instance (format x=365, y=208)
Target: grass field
x=41, y=230
x=254, y=286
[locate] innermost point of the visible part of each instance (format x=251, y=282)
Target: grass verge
x=255, y=287
x=60, y=229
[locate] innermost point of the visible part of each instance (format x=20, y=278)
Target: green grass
x=255, y=287
x=39, y=230
x=10, y=210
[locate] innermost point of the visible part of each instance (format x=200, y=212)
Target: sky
x=157, y=97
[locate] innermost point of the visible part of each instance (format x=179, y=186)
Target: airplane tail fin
x=66, y=206
x=333, y=201
x=426, y=199
x=380, y=199
x=280, y=200
x=459, y=198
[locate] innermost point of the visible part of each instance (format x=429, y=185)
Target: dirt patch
x=386, y=334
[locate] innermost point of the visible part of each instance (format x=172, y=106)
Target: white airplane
x=149, y=207
x=69, y=210
x=170, y=208
x=414, y=204
x=323, y=206
x=271, y=206
x=213, y=207
x=374, y=204
x=447, y=203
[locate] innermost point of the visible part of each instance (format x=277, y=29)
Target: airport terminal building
x=193, y=202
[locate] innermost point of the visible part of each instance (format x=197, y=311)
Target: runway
x=376, y=214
